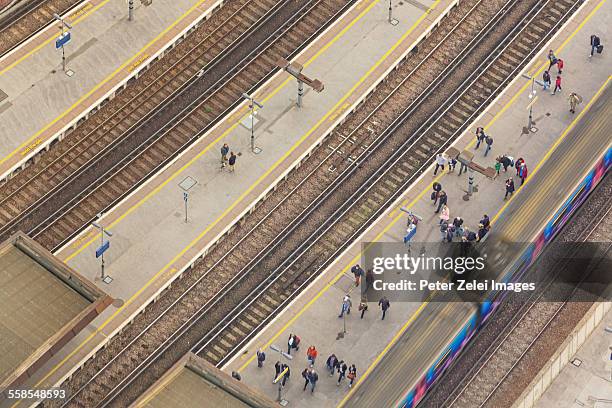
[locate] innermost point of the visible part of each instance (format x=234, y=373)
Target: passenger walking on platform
x=560, y=65
x=489, y=142
x=595, y=45
x=313, y=377
x=443, y=230
x=480, y=136
x=261, y=357
x=442, y=200
x=311, y=354
x=452, y=162
x=342, y=367
x=287, y=374
x=437, y=187
x=346, y=305
x=450, y=232
x=546, y=80
x=331, y=364
x=363, y=307
x=293, y=343
x=384, y=305
x=523, y=173
x=232, y=162
x=445, y=214
x=486, y=222
x=509, y=187
x=482, y=231
x=358, y=273
x=277, y=370
x=440, y=162
x=552, y=59
x=352, y=374
x=574, y=99
x=305, y=376
x=497, y=165
x=557, y=85
x=462, y=167
x=224, y=151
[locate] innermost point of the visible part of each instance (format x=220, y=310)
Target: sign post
x=185, y=198
x=63, y=39
x=104, y=246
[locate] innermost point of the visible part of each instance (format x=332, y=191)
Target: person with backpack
x=546, y=80
x=293, y=343
x=458, y=224
x=232, y=162
x=595, y=45
x=261, y=357
x=574, y=99
x=489, y=142
x=358, y=272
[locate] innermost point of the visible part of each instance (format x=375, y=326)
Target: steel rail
x=335, y=217
x=131, y=376
x=108, y=149
x=30, y=7
x=160, y=133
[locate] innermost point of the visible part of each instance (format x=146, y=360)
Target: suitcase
x=599, y=48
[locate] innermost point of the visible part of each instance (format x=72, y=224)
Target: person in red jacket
x=560, y=66
x=311, y=354
x=557, y=85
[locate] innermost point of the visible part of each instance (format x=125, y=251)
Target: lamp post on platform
x=252, y=104
x=104, y=245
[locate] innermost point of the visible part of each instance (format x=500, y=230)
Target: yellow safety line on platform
x=165, y=268
x=25, y=144
x=395, y=220
x=502, y=209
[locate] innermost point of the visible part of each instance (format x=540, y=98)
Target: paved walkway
x=38, y=100
x=590, y=383
x=349, y=58
x=313, y=316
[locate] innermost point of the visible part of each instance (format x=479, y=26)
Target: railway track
x=175, y=104
x=326, y=202
x=27, y=21
x=532, y=318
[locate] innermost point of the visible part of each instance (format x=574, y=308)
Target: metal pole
x=101, y=244
x=130, y=10
x=343, y=321
x=300, y=93
x=280, y=387
x=471, y=182
x=390, y=12
x=185, y=210
x=252, y=106
x=63, y=59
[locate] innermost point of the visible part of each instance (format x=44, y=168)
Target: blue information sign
x=102, y=249
x=411, y=233
x=62, y=40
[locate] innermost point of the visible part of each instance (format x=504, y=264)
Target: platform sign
x=102, y=249
x=185, y=196
x=62, y=40
x=411, y=233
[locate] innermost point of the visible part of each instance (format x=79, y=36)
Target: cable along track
x=102, y=177
x=344, y=185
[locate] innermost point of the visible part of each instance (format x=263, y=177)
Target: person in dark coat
x=384, y=306
x=442, y=200
x=595, y=43
x=437, y=187
x=509, y=187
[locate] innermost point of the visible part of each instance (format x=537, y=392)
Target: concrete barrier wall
x=563, y=355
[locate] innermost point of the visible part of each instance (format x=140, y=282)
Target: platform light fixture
x=104, y=245
x=252, y=104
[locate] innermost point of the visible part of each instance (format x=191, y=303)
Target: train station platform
x=388, y=354
x=39, y=102
x=152, y=243
x=587, y=379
